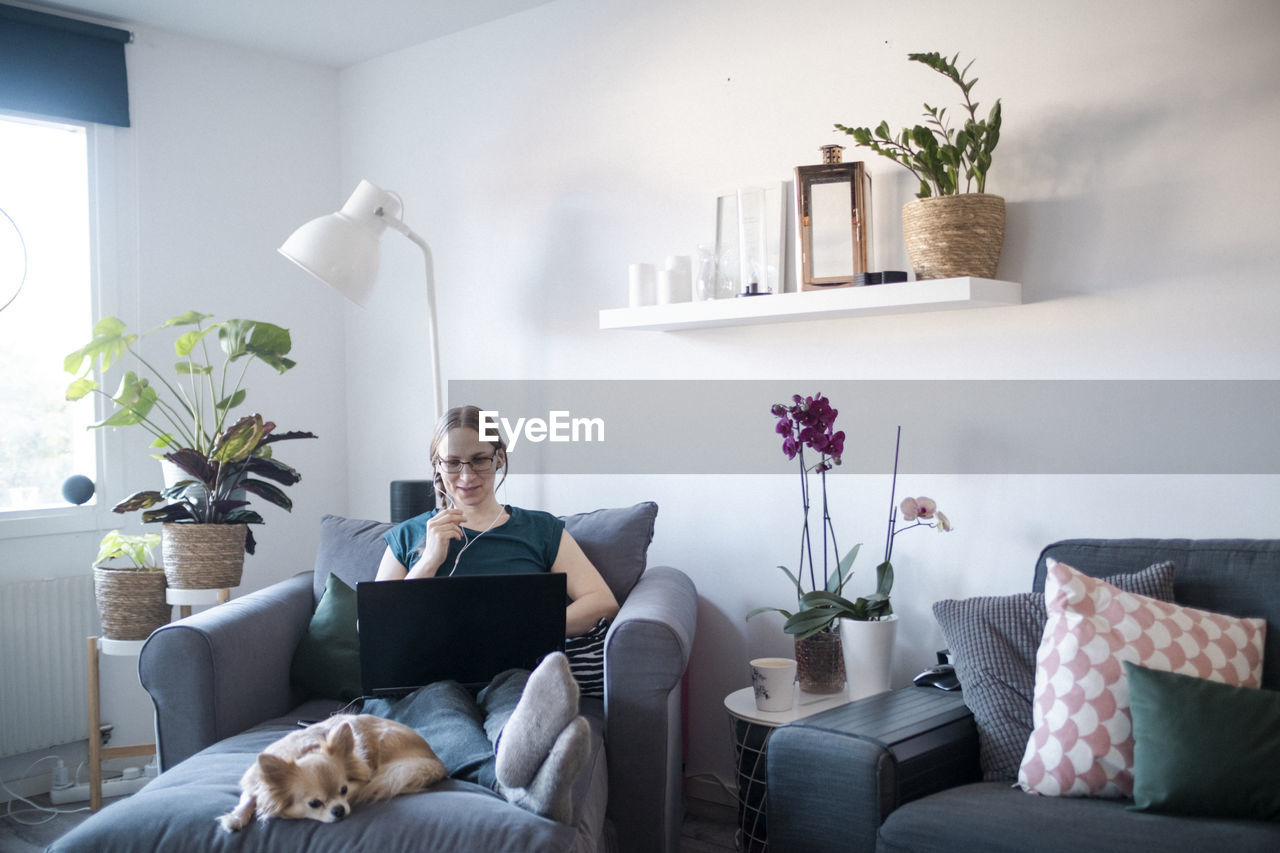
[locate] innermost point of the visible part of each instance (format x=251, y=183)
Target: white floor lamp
x=342, y=250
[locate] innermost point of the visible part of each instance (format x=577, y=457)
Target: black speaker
x=410, y=498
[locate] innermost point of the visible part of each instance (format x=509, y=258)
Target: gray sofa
x=220, y=682
x=901, y=771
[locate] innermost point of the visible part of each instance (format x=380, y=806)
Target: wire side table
x=750, y=729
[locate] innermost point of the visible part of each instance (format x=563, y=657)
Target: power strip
x=110, y=788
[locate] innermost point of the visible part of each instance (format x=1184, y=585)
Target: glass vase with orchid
x=809, y=423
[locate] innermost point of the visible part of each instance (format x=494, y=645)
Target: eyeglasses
x=478, y=465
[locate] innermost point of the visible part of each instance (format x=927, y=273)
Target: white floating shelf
x=942, y=294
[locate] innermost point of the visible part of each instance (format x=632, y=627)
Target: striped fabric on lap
x=586, y=659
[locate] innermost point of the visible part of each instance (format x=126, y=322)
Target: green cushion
x=1203, y=748
x=327, y=661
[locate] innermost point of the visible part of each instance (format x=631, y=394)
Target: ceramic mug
x=774, y=682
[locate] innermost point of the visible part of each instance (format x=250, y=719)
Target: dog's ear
x=341, y=741
x=275, y=770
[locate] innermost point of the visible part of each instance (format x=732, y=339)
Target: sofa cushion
x=991, y=817
x=327, y=661
x=350, y=549
x=1202, y=748
x=1238, y=577
x=994, y=640
x=616, y=541
x=1082, y=739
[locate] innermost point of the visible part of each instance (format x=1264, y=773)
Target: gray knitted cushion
x=994, y=640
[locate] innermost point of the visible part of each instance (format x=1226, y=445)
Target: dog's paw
x=231, y=822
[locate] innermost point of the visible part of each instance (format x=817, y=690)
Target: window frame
x=105, y=151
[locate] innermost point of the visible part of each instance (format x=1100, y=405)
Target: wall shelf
x=942, y=294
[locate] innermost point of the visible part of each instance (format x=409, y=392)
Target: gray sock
x=548, y=704
x=550, y=794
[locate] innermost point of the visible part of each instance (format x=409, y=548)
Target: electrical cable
x=49, y=812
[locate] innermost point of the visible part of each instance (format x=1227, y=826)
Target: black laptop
x=464, y=629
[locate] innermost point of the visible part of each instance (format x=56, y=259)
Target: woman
x=521, y=735
x=472, y=533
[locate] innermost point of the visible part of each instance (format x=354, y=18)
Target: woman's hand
x=442, y=528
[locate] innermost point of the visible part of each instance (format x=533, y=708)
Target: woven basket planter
x=130, y=603
x=954, y=235
x=203, y=556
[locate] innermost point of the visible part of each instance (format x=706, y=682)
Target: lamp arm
x=433, y=335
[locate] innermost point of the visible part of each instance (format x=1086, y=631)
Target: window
x=45, y=192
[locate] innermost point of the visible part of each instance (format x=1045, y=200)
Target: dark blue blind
x=62, y=68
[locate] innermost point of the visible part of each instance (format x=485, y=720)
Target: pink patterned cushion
x=1082, y=739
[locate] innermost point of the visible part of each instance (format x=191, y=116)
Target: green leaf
x=136, y=549
x=190, y=318
x=109, y=343
x=837, y=581
x=192, y=462
x=268, y=492
x=239, y=440
x=139, y=500
x=808, y=622
x=228, y=403
x=794, y=580
x=80, y=388
x=169, y=512
x=265, y=341
x=187, y=368
x=884, y=579
x=186, y=343
x=759, y=610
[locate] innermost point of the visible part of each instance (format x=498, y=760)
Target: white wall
x=542, y=153
x=228, y=152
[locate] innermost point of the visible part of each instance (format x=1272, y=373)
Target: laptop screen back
x=464, y=629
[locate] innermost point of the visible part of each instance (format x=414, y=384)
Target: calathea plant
x=239, y=462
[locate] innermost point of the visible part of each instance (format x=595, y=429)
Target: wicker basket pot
x=203, y=556
x=954, y=235
x=130, y=602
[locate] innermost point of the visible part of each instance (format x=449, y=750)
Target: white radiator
x=43, y=691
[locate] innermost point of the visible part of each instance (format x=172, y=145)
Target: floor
x=708, y=828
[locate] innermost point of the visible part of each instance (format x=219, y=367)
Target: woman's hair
x=460, y=417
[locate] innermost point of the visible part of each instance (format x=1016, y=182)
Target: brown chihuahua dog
x=321, y=771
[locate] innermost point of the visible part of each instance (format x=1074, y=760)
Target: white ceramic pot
x=868, y=654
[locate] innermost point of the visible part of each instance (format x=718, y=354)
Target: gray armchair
x=220, y=683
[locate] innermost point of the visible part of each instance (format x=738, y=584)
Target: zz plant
x=938, y=154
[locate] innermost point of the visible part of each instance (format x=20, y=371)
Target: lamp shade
x=341, y=249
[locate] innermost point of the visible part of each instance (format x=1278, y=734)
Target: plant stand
x=185, y=598
x=97, y=752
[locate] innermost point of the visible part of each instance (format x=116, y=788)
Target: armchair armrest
x=833, y=778
x=646, y=654
x=225, y=669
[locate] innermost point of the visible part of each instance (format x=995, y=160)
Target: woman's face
x=468, y=486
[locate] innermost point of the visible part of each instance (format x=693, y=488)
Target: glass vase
x=820, y=662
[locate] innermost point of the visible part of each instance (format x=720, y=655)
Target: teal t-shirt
x=527, y=543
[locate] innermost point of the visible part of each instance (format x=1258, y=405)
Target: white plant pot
x=868, y=654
